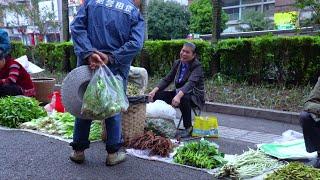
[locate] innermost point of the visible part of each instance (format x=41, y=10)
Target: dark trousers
x=311, y=132
x=10, y=90
x=185, y=105
x=81, y=133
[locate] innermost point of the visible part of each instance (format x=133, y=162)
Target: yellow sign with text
x=285, y=20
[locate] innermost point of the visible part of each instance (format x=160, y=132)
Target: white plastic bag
x=104, y=96
x=139, y=76
x=289, y=135
x=290, y=146
x=160, y=109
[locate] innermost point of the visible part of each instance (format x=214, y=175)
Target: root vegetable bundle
x=158, y=145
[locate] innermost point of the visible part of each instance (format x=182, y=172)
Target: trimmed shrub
x=292, y=60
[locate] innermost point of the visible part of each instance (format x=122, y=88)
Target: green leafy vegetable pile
x=247, y=165
x=104, y=97
x=60, y=124
x=201, y=154
x=15, y=110
x=295, y=170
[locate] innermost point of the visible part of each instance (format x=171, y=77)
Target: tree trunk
x=144, y=12
x=216, y=20
x=216, y=29
x=65, y=20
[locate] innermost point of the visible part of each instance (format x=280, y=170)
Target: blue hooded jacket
x=4, y=43
x=114, y=27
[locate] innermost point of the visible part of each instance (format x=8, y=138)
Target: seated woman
x=310, y=123
x=188, y=77
x=14, y=79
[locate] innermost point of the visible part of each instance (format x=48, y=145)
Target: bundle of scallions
x=249, y=164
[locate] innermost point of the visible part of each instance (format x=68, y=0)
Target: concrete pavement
x=25, y=155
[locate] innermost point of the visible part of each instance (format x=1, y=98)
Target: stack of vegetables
x=249, y=164
x=132, y=89
x=60, y=124
x=149, y=141
x=201, y=154
x=294, y=170
x=19, y=109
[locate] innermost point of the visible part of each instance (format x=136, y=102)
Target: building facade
x=275, y=10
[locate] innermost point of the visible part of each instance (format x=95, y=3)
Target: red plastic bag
x=56, y=103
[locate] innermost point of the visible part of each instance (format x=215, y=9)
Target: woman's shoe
x=77, y=157
x=186, y=132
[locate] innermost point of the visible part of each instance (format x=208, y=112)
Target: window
x=233, y=13
x=268, y=10
x=250, y=8
x=226, y=3
x=250, y=1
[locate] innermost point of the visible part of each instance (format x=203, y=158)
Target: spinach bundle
x=18, y=109
x=104, y=96
x=201, y=154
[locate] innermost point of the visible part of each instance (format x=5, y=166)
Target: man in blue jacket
x=107, y=32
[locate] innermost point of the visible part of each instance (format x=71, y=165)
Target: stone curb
x=275, y=115
x=282, y=116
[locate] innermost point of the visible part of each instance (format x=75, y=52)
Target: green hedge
x=281, y=59
x=51, y=56
x=278, y=59
x=157, y=56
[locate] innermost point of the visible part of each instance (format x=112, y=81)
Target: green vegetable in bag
x=104, y=96
x=161, y=127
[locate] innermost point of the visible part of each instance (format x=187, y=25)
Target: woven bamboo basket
x=133, y=121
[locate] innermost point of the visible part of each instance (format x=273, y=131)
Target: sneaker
x=185, y=133
x=115, y=158
x=77, y=157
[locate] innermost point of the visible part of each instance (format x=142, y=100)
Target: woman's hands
x=176, y=100
x=152, y=94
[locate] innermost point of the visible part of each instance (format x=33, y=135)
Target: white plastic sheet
x=144, y=154
x=290, y=146
x=29, y=66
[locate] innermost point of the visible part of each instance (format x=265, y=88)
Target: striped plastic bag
x=205, y=126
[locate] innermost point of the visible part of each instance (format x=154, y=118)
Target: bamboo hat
x=73, y=88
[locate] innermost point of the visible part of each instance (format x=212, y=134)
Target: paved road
x=25, y=155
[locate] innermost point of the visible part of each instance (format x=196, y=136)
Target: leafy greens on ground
x=19, y=109
x=61, y=124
